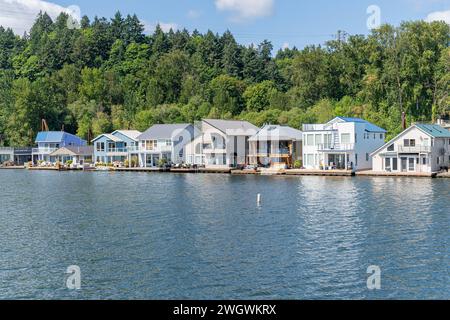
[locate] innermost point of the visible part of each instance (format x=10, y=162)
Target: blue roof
x=58, y=136
x=369, y=126
x=50, y=136
x=434, y=130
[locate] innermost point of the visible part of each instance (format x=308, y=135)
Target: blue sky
x=284, y=22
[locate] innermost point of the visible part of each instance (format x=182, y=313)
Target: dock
x=370, y=173
x=12, y=168
x=328, y=173
x=443, y=175
x=138, y=169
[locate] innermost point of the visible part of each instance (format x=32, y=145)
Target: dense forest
x=109, y=75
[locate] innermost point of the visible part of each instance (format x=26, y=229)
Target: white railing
x=336, y=147
x=43, y=150
x=415, y=149
x=317, y=127
x=117, y=150
x=157, y=149
x=6, y=149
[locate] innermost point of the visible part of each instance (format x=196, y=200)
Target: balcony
x=342, y=147
x=6, y=150
x=317, y=127
x=43, y=150
x=414, y=149
x=152, y=150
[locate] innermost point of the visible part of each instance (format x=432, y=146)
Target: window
x=424, y=161
x=310, y=140
x=409, y=143
x=381, y=136
x=168, y=143
x=356, y=138
x=356, y=159
x=345, y=138
x=100, y=146
x=391, y=148
x=367, y=157
x=318, y=139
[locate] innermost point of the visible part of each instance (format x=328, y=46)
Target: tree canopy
x=109, y=75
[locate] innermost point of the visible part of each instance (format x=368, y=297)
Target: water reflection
x=203, y=236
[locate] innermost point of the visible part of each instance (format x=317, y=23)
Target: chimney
x=403, y=121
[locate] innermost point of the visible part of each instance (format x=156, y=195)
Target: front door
x=404, y=164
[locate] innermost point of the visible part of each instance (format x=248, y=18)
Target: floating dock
x=370, y=173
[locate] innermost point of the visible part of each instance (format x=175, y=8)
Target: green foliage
x=109, y=75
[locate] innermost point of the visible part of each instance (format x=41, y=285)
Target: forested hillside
x=109, y=75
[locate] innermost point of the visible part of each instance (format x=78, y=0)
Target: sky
x=287, y=23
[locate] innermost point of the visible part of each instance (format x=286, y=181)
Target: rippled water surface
x=168, y=236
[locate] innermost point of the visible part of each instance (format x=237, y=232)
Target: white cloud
x=246, y=9
x=20, y=15
x=439, y=16
x=150, y=27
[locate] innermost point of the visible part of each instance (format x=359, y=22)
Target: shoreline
x=267, y=172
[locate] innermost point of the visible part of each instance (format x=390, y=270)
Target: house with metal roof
x=422, y=148
x=117, y=146
x=341, y=144
x=50, y=141
x=277, y=147
x=221, y=144
x=164, y=143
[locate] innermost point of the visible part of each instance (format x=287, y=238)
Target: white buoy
x=258, y=199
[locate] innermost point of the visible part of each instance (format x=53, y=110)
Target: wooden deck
x=443, y=175
x=139, y=169
x=13, y=168
x=329, y=173
x=370, y=173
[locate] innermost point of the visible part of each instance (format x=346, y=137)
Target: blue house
x=50, y=141
x=116, y=147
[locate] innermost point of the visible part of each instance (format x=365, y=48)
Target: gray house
x=164, y=142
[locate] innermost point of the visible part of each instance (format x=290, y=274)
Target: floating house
x=50, y=141
x=116, y=147
x=221, y=144
x=23, y=155
x=277, y=147
x=17, y=156
x=342, y=144
x=6, y=155
x=79, y=156
x=422, y=148
x=164, y=143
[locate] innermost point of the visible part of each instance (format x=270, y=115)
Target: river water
x=187, y=236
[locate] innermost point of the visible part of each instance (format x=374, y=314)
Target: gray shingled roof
x=280, y=133
x=164, y=131
x=224, y=125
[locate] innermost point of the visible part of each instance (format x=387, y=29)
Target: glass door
x=404, y=164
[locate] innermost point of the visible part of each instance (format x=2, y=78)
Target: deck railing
x=415, y=149
x=44, y=150
x=336, y=147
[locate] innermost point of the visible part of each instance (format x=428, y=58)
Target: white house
x=276, y=146
x=423, y=148
x=342, y=143
x=164, y=141
x=221, y=144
